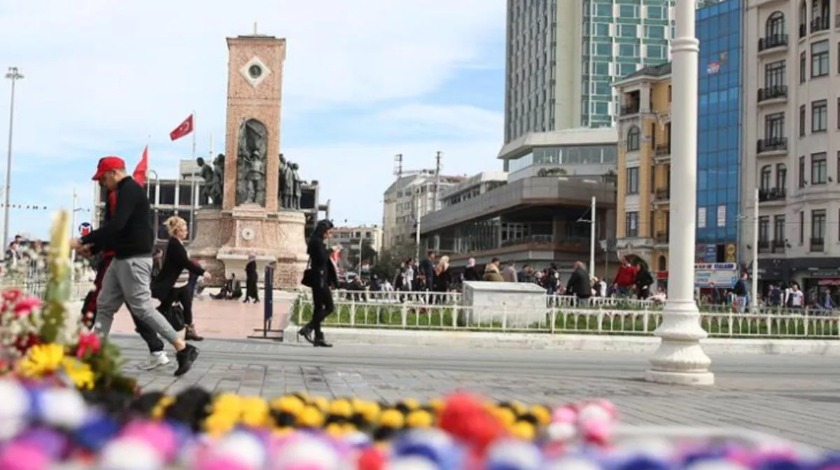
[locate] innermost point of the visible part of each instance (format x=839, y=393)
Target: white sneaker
x=156, y=359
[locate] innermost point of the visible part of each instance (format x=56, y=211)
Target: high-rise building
x=644, y=168
x=563, y=56
x=793, y=141
x=718, y=27
x=409, y=198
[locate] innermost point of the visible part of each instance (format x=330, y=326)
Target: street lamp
x=680, y=358
x=14, y=75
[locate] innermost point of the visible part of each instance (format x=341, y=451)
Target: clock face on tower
x=254, y=71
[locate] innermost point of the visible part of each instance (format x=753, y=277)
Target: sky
x=363, y=81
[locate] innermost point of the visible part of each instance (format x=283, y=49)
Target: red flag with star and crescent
x=184, y=129
x=142, y=167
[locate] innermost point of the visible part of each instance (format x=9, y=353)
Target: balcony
x=662, y=194
x=764, y=246
x=772, y=145
x=630, y=110
x=772, y=42
x=662, y=150
x=777, y=92
x=772, y=194
x=817, y=245
x=778, y=246
x=661, y=238
x=820, y=24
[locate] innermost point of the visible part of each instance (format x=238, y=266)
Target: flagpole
x=193, y=136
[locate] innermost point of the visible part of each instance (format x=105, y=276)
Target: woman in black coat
x=324, y=277
x=251, y=278
x=174, y=263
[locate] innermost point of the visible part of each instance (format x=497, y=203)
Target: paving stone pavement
x=795, y=397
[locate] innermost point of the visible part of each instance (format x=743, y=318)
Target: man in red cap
x=128, y=279
x=157, y=355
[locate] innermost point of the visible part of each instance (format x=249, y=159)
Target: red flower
x=88, y=344
x=25, y=306
x=23, y=343
x=12, y=294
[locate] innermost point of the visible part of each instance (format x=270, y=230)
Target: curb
x=568, y=342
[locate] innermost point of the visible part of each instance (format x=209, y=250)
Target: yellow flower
x=254, y=412
x=79, y=373
x=159, y=410
x=41, y=360
x=218, y=424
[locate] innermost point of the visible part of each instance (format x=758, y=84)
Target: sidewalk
x=221, y=319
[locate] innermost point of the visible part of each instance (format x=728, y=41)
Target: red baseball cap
x=107, y=164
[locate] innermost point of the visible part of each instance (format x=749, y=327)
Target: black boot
x=306, y=332
x=320, y=342
x=186, y=357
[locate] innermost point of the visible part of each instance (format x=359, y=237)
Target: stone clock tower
x=250, y=221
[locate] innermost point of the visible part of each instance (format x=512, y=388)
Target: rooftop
x=652, y=71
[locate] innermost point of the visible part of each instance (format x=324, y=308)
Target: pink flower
x=88, y=343
x=25, y=306
x=12, y=294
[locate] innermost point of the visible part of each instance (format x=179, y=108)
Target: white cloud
x=106, y=77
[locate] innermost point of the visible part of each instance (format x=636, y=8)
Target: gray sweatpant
x=129, y=281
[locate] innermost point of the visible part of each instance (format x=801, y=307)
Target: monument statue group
x=250, y=183
x=252, y=194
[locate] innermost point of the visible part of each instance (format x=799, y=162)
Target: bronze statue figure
x=217, y=188
x=289, y=185
x=208, y=175
x=251, y=163
x=297, y=187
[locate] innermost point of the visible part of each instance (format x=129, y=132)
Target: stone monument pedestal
x=226, y=239
x=514, y=304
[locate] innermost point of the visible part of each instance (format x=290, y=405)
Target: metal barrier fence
x=38, y=287
x=563, y=314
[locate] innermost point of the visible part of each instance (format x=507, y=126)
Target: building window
x=633, y=139
x=774, y=74
x=819, y=116
x=819, y=59
x=701, y=217
x=774, y=126
x=781, y=176
x=776, y=24
x=764, y=230
x=802, y=119
x=779, y=229
x=801, y=227
x=819, y=168
x=766, y=177
x=631, y=221
x=818, y=227
x=802, y=72
x=801, y=172
x=633, y=180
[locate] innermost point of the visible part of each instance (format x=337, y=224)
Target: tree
x=368, y=253
x=389, y=260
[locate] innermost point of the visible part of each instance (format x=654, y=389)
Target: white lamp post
x=14, y=75
x=680, y=359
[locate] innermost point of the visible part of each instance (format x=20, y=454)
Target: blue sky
x=363, y=81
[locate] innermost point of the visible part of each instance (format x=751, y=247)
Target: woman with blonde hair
x=170, y=285
x=443, y=275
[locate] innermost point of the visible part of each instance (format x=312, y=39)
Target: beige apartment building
x=792, y=139
x=644, y=167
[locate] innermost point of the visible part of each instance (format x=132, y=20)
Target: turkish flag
x=140, y=170
x=185, y=128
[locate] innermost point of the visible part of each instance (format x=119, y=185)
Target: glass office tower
x=719, y=125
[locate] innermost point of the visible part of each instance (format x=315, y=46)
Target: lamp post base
x=680, y=359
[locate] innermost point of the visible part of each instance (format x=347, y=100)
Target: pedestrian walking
x=170, y=285
x=251, y=278
x=128, y=278
x=157, y=355
x=323, y=278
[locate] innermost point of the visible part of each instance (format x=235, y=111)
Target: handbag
x=175, y=316
x=308, y=275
